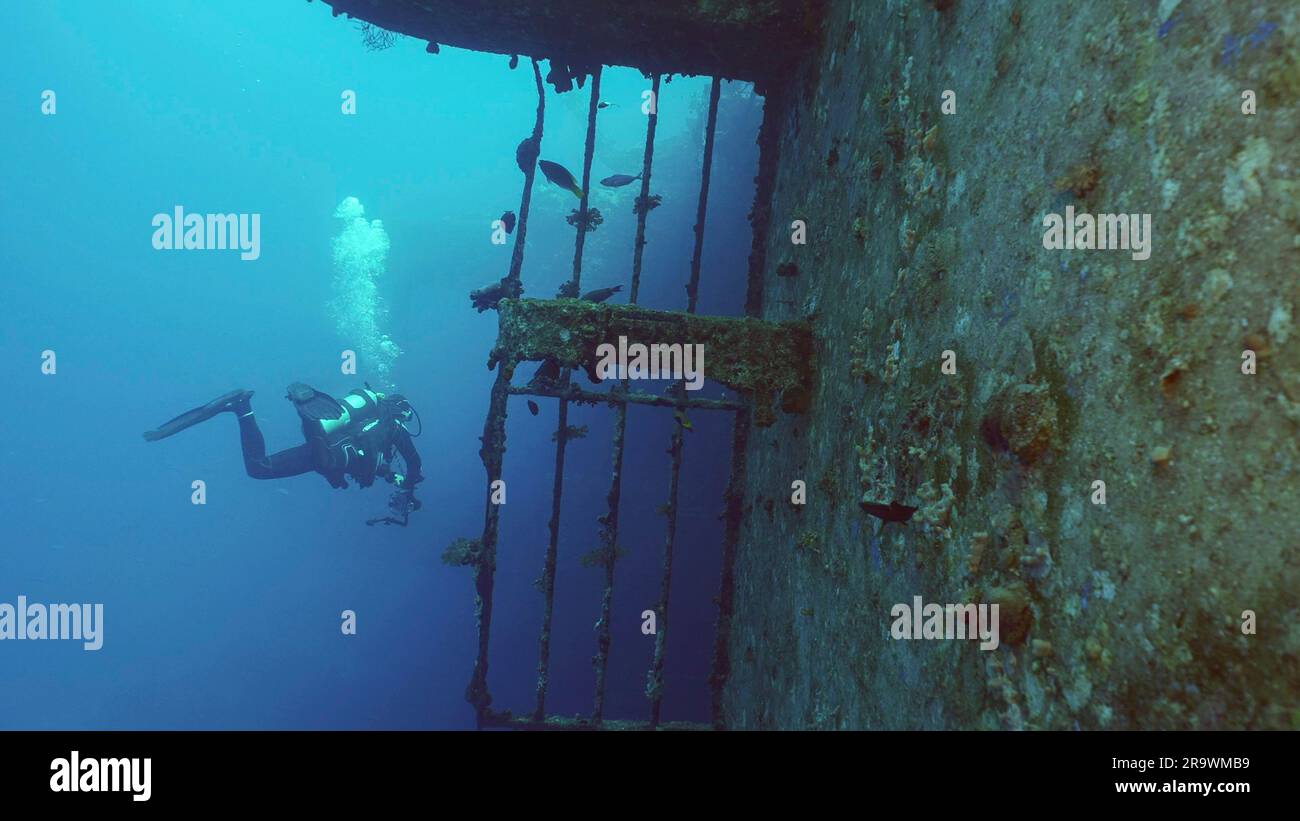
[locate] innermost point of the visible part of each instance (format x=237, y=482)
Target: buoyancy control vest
x=348, y=437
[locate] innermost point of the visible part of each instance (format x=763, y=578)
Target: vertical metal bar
x=586, y=179
x=760, y=216
x=493, y=450
x=760, y=220
x=517, y=255
x=651, y=125
x=655, y=678
x=548, y=566
x=733, y=514
x=693, y=289
x=609, y=531
x=562, y=425
x=609, y=544
x=494, y=438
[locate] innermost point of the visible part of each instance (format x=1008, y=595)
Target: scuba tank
x=346, y=435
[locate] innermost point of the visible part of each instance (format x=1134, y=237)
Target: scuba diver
x=355, y=437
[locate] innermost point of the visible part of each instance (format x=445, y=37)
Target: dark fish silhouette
x=548, y=373
x=560, y=175
x=514, y=61
x=618, y=180
x=526, y=154
x=488, y=297
x=892, y=512
x=601, y=294
x=603, y=104
x=509, y=219
x=532, y=407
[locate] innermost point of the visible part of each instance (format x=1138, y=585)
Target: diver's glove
x=409, y=482
x=391, y=476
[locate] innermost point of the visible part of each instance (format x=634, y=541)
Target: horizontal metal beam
x=506, y=721
x=618, y=397
x=764, y=361
x=738, y=39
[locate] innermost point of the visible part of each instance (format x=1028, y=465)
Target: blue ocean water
x=227, y=614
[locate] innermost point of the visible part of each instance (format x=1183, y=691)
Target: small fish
x=514, y=61
x=490, y=296
x=548, y=372
x=619, y=180
x=526, y=154
x=560, y=176
x=509, y=219
x=892, y=512
x=601, y=294
x=532, y=407
x=603, y=104
x=680, y=416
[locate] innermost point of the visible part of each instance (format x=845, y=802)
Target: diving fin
x=225, y=402
x=312, y=405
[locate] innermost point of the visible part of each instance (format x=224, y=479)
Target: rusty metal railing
x=481, y=553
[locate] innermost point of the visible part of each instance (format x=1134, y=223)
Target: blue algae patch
x=909, y=675
x=1231, y=49
x=1256, y=39
x=1010, y=305
x=1168, y=25
x=1085, y=593
x=1261, y=34
x=1073, y=388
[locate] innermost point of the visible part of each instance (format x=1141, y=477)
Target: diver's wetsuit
x=290, y=462
x=361, y=455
